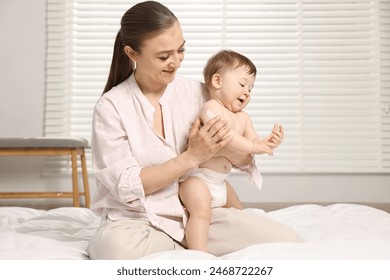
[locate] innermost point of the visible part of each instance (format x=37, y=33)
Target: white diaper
x=215, y=181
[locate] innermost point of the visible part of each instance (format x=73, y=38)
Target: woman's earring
x=132, y=60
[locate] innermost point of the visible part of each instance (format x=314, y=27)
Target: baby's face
x=236, y=88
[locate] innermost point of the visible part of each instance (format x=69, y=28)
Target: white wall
x=22, y=58
x=22, y=80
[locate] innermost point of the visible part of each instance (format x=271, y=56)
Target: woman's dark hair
x=142, y=21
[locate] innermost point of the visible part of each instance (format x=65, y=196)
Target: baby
x=229, y=77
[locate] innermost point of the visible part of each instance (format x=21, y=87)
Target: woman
x=146, y=135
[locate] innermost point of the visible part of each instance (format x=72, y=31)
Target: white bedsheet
x=61, y=233
x=338, y=231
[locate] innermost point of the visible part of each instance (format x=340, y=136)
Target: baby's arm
x=247, y=143
x=273, y=140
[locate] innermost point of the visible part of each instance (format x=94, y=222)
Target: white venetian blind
x=384, y=23
x=323, y=71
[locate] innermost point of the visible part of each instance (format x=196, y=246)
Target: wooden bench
x=44, y=146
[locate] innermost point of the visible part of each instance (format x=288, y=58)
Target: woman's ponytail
x=121, y=66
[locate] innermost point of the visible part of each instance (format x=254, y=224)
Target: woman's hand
x=204, y=142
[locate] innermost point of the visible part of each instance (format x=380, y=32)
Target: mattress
x=337, y=231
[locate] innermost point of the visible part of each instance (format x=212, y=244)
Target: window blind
x=384, y=25
x=323, y=72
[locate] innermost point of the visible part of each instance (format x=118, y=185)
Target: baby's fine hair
x=225, y=60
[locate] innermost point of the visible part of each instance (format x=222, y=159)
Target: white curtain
x=323, y=72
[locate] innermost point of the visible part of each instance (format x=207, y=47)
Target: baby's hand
x=263, y=146
x=277, y=135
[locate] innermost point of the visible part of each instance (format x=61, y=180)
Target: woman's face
x=160, y=57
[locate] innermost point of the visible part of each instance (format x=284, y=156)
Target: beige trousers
x=230, y=230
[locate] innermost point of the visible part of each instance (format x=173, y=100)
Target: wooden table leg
x=85, y=179
x=75, y=184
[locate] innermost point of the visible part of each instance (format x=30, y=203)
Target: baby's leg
x=232, y=199
x=196, y=198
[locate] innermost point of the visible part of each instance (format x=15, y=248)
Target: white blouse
x=123, y=142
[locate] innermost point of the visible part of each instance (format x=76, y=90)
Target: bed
x=336, y=231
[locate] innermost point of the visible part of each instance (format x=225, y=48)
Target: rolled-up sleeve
x=117, y=172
